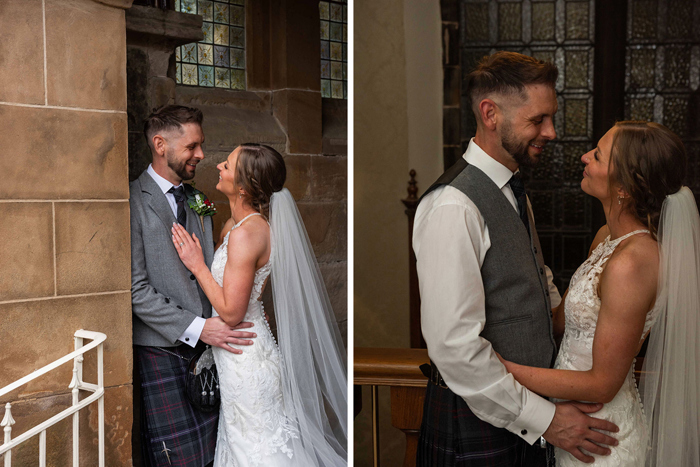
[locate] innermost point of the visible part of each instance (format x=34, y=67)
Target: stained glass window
x=334, y=49
x=219, y=59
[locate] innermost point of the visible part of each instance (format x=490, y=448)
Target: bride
x=281, y=404
x=640, y=279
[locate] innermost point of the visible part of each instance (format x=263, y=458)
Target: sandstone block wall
x=64, y=216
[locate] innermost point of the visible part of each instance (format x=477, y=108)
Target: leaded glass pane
x=476, y=19
x=643, y=18
x=219, y=59
x=543, y=21
x=640, y=67
x=577, y=20
x=676, y=114
x=509, y=22
x=576, y=69
x=640, y=108
x=680, y=19
x=334, y=38
x=576, y=117
x=677, y=67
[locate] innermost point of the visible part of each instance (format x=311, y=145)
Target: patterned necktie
x=518, y=187
x=179, y=194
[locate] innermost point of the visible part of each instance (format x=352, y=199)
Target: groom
x=171, y=315
x=485, y=289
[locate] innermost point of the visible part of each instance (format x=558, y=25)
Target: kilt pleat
x=451, y=435
x=175, y=434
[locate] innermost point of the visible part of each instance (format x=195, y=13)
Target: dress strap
x=619, y=239
x=245, y=218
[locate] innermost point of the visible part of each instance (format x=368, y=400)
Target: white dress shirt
x=450, y=239
x=194, y=330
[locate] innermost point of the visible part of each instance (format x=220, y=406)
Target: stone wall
x=64, y=216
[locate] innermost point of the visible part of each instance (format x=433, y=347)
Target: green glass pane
x=345, y=14
x=577, y=20
x=324, y=10
x=221, y=13
x=206, y=9
x=221, y=34
x=509, y=22
x=237, y=37
x=237, y=58
x=189, y=74
x=178, y=73
x=237, y=16
x=208, y=30
x=237, y=79
x=677, y=67
x=576, y=69
x=644, y=19
x=188, y=6
x=177, y=54
x=189, y=53
x=206, y=76
x=476, y=26
x=223, y=77
x=576, y=117
x=336, y=51
x=337, y=89
x=177, y=5
x=325, y=30
x=345, y=71
x=345, y=32
x=543, y=21
x=325, y=50
x=642, y=65
x=205, y=54
x=325, y=69
x=325, y=88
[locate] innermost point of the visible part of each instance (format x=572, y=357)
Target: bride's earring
x=619, y=199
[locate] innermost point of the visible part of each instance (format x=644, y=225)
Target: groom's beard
x=178, y=166
x=518, y=149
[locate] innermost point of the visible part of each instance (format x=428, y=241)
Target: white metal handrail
x=75, y=385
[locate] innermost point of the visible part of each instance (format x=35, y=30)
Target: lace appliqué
x=254, y=429
x=581, y=316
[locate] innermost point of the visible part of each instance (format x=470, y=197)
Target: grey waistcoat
x=518, y=310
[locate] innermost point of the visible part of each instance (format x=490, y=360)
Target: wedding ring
x=182, y=243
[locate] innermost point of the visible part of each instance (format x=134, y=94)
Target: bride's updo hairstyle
x=260, y=171
x=649, y=161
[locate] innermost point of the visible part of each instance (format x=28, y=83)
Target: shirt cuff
x=193, y=331
x=534, y=419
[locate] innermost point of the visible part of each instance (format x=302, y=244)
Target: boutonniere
x=199, y=202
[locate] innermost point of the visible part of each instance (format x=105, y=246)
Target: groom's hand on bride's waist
x=571, y=429
x=219, y=334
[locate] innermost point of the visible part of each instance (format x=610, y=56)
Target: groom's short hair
x=507, y=73
x=169, y=117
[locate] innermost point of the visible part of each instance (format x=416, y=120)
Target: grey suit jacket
x=165, y=296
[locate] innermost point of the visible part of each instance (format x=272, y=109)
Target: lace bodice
x=221, y=256
x=576, y=353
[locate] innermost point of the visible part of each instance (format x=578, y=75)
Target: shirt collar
x=497, y=172
x=163, y=184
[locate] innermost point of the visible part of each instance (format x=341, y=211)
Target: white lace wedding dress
x=625, y=410
x=253, y=427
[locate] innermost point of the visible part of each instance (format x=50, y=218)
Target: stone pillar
x=64, y=215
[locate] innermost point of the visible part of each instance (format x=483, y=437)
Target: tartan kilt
x=451, y=435
x=167, y=416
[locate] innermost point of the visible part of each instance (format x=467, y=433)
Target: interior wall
x=397, y=127
x=64, y=217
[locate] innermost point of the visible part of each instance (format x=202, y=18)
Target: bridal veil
x=671, y=373
x=313, y=367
